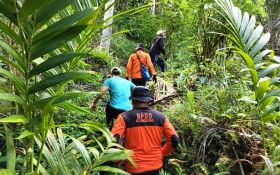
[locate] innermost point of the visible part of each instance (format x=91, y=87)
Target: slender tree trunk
x=153, y=8
x=107, y=32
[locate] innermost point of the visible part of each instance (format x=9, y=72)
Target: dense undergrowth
x=227, y=108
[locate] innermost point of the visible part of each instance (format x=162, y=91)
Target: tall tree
x=107, y=32
x=153, y=8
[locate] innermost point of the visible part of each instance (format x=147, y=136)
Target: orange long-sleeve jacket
x=133, y=69
x=144, y=129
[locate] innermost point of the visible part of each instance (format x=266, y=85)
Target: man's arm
x=129, y=67
x=172, y=139
x=103, y=90
x=119, y=128
x=161, y=46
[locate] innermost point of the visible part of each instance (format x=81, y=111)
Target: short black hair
x=116, y=72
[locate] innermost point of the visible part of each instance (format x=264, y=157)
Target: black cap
x=142, y=94
x=140, y=46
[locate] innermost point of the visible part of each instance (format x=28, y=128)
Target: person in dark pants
x=133, y=69
x=156, y=48
x=143, y=128
x=120, y=91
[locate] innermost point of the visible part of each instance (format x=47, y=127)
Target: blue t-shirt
x=120, y=91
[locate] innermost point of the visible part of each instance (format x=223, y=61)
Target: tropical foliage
x=222, y=58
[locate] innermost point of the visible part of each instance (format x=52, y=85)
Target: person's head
x=141, y=96
x=115, y=71
x=161, y=33
x=139, y=47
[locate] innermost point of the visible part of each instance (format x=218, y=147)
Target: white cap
x=160, y=32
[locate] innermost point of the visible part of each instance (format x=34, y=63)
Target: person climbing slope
x=133, y=69
x=120, y=91
x=156, y=48
x=144, y=128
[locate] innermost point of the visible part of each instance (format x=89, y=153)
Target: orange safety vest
x=133, y=69
x=143, y=129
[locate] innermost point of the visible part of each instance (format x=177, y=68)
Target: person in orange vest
x=143, y=128
x=133, y=69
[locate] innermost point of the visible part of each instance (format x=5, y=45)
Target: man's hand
x=93, y=106
x=155, y=78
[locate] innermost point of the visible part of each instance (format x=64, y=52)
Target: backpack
x=144, y=70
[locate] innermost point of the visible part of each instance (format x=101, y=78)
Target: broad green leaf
x=12, y=51
x=254, y=37
x=41, y=169
x=82, y=149
x=266, y=102
x=94, y=151
x=40, y=104
x=74, y=108
x=50, y=72
x=54, y=80
x=270, y=117
x=11, y=151
x=274, y=80
x=25, y=134
x=270, y=94
x=14, y=119
x=254, y=76
x=249, y=29
x=55, y=41
x=258, y=66
x=61, y=140
x=60, y=26
x=19, y=82
x=260, y=44
x=7, y=8
x=261, y=55
x=50, y=10
x=112, y=155
x=245, y=21
x=49, y=157
x=247, y=100
x=268, y=70
x=94, y=126
x=8, y=31
x=247, y=59
x=110, y=169
x=262, y=88
x=11, y=97
x=237, y=16
x=30, y=7
x=53, y=62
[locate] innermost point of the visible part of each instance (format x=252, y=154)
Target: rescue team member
x=156, y=48
x=120, y=91
x=143, y=129
x=133, y=70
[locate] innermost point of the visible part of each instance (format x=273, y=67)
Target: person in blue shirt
x=120, y=91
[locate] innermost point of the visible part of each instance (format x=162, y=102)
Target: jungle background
x=222, y=63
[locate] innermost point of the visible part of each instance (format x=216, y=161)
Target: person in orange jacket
x=133, y=69
x=143, y=128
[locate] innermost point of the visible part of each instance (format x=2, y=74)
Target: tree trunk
x=107, y=32
x=153, y=8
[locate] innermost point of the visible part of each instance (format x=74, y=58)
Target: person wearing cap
x=143, y=128
x=120, y=91
x=156, y=48
x=133, y=69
